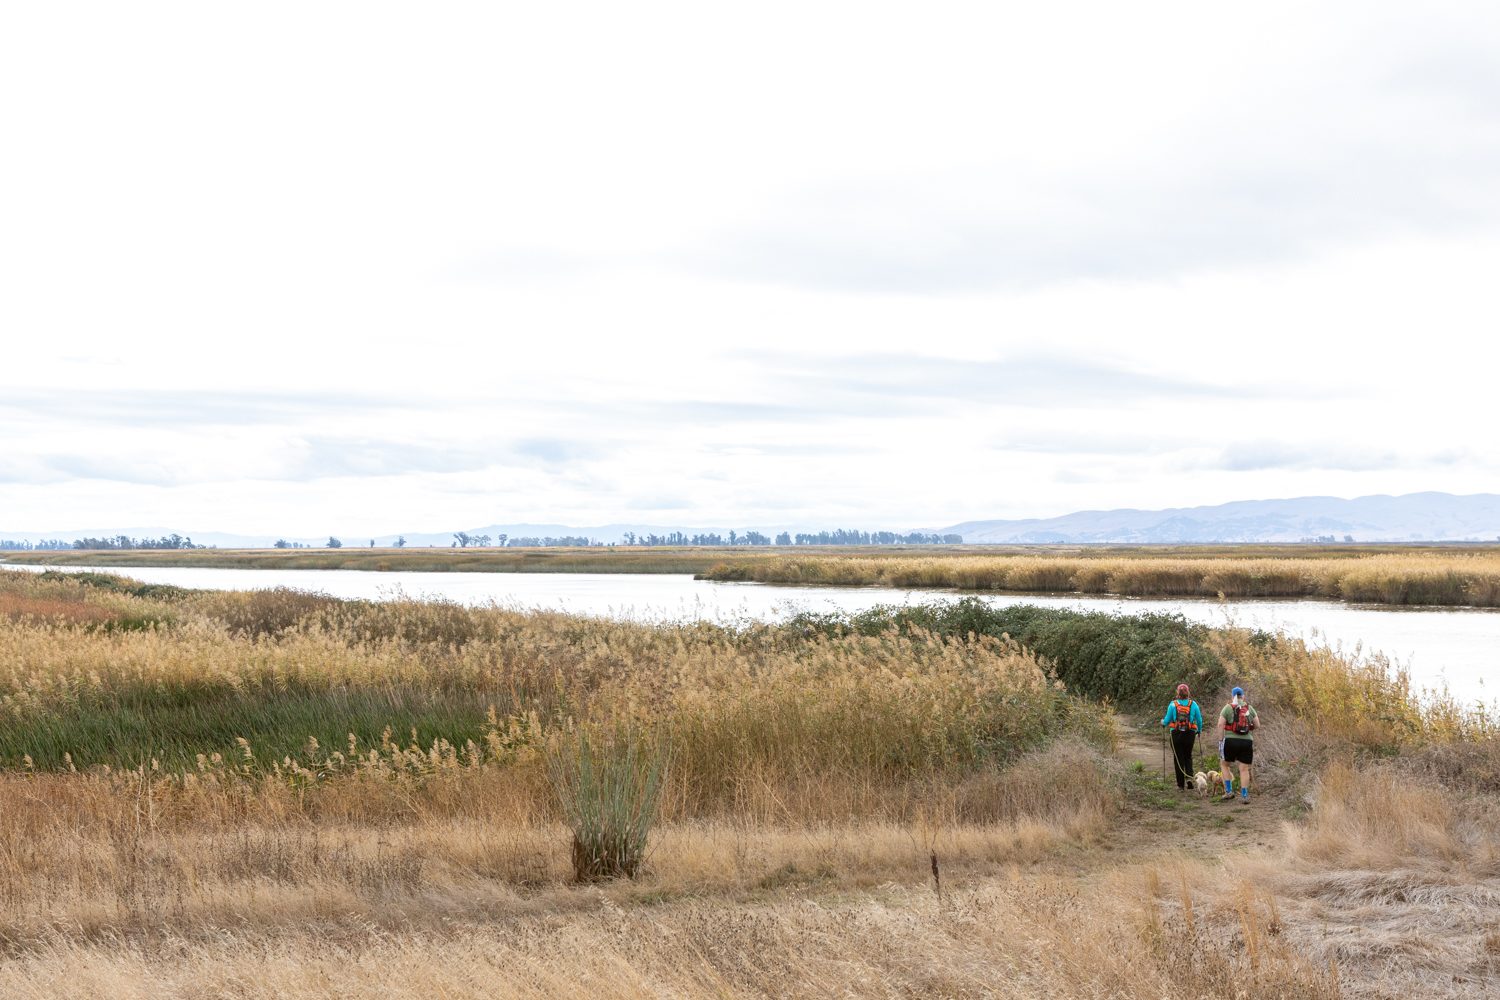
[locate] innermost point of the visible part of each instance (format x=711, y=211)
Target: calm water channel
x=1459, y=648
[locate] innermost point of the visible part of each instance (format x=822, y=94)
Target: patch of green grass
x=173, y=724
x=1152, y=791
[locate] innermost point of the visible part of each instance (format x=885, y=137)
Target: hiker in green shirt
x=1237, y=724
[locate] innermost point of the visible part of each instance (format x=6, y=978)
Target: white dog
x=1201, y=781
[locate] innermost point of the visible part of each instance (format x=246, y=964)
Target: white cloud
x=355, y=268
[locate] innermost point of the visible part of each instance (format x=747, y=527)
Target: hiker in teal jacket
x=1185, y=720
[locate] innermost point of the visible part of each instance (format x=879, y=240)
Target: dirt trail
x=1136, y=746
x=1161, y=820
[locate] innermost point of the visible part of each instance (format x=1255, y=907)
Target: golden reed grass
x=758, y=720
x=809, y=783
x=1014, y=936
x=1445, y=578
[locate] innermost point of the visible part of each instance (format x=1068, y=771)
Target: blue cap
x=1237, y=692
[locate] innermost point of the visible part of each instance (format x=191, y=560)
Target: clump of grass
x=412, y=623
x=269, y=612
x=1374, y=817
x=1067, y=782
x=1469, y=766
x=609, y=787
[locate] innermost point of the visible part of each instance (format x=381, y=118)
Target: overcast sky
x=310, y=267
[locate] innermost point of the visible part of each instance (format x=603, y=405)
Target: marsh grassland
x=1374, y=574
x=276, y=794
x=1413, y=577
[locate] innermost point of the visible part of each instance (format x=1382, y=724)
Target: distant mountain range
x=1411, y=518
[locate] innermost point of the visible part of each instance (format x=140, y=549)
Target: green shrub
x=1133, y=660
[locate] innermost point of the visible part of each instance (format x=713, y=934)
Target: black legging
x=1182, y=752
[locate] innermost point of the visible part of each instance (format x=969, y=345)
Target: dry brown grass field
x=1376, y=574
x=279, y=795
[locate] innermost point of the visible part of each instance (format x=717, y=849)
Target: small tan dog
x=1200, y=781
x=1215, y=778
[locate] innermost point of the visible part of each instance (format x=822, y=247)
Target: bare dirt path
x=1159, y=819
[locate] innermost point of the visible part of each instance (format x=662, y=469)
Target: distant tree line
x=840, y=536
x=845, y=537
x=126, y=542
x=464, y=540
x=114, y=542
x=548, y=541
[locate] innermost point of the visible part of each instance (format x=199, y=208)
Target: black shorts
x=1238, y=750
